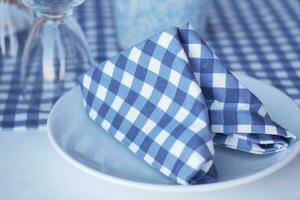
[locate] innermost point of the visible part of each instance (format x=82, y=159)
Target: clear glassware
x=56, y=51
x=13, y=19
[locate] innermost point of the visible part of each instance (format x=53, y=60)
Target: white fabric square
x=154, y=65
x=164, y=103
x=206, y=166
x=181, y=181
x=127, y=79
x=135, y=54
x=195, y=160
x=132, y=114
x=272, y=130
x=262, y=111
x=219, y=80
x=101, y=92
x=109, y=68
x=177, y=148
x=174, y=77
x=161, y=137
x=165, y=171
x=148, y=126
x=244, y=128
x=24, y=116
x=210, y=146
x=146, y=90
x=217, y=128
x=243, y=106
x=194, y=50
x=117, y=103
x=231, y=141
x=217, y=105
x=86, y=81
x=93, y=114
x=194, y=89
x=281, y=74
x=105, y=124
x=119, y=136
x=148, y=159
x=182, y=55
x=133, y=147
x=197, y=125
x=181, y=114
x=165, y=39
x=240, y=136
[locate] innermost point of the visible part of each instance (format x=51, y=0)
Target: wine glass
x=55, y=53
x=13, y=18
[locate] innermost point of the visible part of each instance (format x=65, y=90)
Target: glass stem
x=52, y=42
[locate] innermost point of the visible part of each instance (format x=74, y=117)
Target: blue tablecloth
x=260, y=38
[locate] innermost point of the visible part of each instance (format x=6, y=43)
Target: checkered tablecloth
x=260, y=38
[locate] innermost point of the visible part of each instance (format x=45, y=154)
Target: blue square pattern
x=260, y=38
x=154, y=122
x=235, y=113
x=165, y=108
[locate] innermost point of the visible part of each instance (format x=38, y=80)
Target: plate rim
x=164, y=187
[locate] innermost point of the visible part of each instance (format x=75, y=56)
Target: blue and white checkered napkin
x=156, y=98
x=237, y=117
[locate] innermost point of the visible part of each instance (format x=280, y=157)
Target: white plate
x=82, y=143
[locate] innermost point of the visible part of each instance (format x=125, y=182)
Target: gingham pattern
x=258, y=37
x=237, y=117
x=17, y=115
x=147, y=98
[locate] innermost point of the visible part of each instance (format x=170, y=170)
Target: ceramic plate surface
x=85, y=145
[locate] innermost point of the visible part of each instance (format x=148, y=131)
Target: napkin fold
x=237, y=117
x=148, y=99
x=162, y=98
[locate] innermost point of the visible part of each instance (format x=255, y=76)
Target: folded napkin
x=157, y=97
x=237, y=117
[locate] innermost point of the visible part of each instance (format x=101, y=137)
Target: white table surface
x=30, y=169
